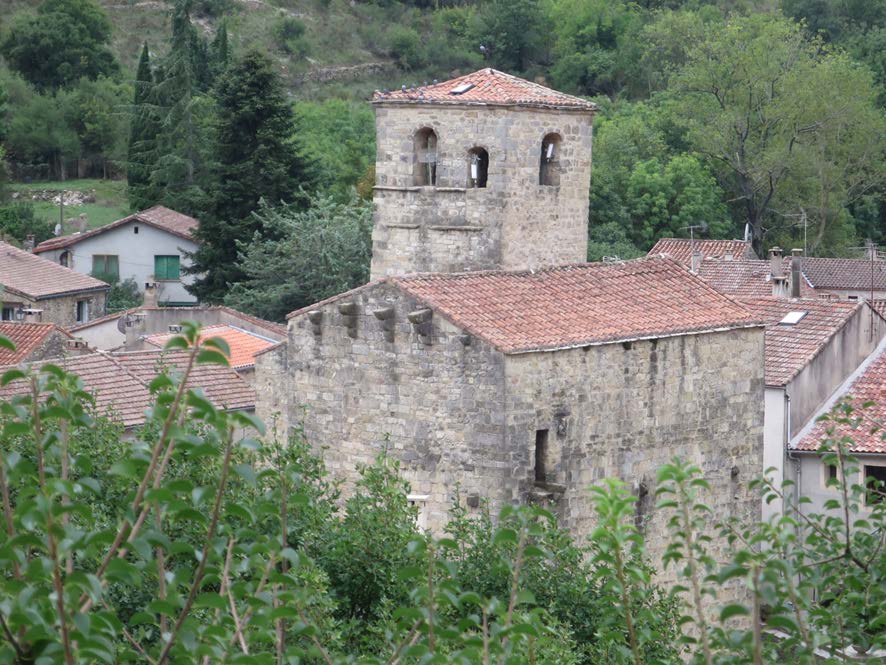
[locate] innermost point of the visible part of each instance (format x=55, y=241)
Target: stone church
x=487, y=355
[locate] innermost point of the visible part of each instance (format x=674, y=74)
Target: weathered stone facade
x=512, y=223
x=458, y=413
x=61, y=310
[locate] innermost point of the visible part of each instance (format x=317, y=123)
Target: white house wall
x=136, y=256
x=774, y=431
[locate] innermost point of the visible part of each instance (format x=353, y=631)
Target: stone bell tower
x=486, y=171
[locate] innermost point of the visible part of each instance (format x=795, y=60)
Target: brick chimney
x=29, y=243
x=796, y=272
x=32, y=315
x=695, y=261
x=776, y=274
x=150, y=294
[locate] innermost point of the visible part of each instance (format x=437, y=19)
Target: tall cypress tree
x=256, y=159
x=142, y=156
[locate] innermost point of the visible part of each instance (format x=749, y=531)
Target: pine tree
x=142, y=155
x=256, y=159
x=219, y=51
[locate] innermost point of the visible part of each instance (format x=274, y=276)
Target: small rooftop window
x=461, y=89
x=792, y=318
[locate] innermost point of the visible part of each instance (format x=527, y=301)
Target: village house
x=682, y=249
x=812, y=346
x=149, y=328
x=36, y=341
x=150, y=247
x=37, y=290
x=510, y=370
x=866, y=385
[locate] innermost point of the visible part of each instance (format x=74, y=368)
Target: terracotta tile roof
x=844, y=273
x=222, y=385
x=192, y=313
x=118, y=394
x=869, y=385
x=578, y=305
x=244, y=344
x=36, y=278
x=748, y=278
x=790, y=348
x=159, y=217
x=680, y=249
x=28, y=338
x=879, y=307
x=489, y=87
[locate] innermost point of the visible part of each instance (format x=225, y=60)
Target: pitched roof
x=790, y=348
x=680, y=249
x=853, y=274
x=119, y=382
x=489, y=87
x=37, y=278
x=868, y=384
x=118, y=394
x=27, y=337
x=173, y=222
x=578, y=305
x=195, y=312
x=243, y=344
x=222, y=385
x=747, y=278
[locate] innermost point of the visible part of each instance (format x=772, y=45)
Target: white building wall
x=774, y=437
x=811, y=480
x=136, y=253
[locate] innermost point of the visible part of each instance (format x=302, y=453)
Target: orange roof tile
x=27, y=337
x=244, y=344
x=790, y=348
x=489, y=87
x=37, y=278
x=578, y=305
x=222, y=385
x=680, y=249
x=869, y=385
x=176, y=223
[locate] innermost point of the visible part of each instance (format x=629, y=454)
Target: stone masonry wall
x=512, y=223
x=63, y=311
x=434, y=400
x=624, y=410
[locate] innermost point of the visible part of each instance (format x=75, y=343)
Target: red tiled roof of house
x=578, y=305
x=119, y=395
x=680, y=249
x=867, y=436
x=853, y=274
x=36, y=278
x=489, y=87
x=27, y=337
x=176, y=223
x=244, y=344
x=222, y=385
x=191, y=313
x=746, y=278
x=790, y=348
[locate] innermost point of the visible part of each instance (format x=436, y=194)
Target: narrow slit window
x=425, y=162
x=549, y=166
x=541, y=455
x=478, y=168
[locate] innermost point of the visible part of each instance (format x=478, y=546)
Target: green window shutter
x=114, y=266
x=106, y=266
x=167, y=267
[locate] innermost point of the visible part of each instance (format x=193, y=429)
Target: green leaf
x=733, y=611
x=209, y=357
x=6, y=343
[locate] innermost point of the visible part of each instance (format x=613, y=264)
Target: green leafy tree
x=257, y=159
x=18, y=221
x=515, y=32
x=143, y=136
x=67, y=40
x=300, y=256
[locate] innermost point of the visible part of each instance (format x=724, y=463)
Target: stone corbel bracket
x=315, y=316
x=348, y=311
x=421, y=323
x=386, y=316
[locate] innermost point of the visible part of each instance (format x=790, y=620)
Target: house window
x=876, y=489
x=425, y=162
x=830, y=474
x=167, y=267
x=106, y=267
x=82, y=311
x=549, y=166
x=8, y=314
x=478, y=167
x=852, y=298
x=135, y=230
x=541, y=455
x=420, y=502
x=65, y=259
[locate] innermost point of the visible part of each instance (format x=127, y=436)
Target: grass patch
x=110, y=200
